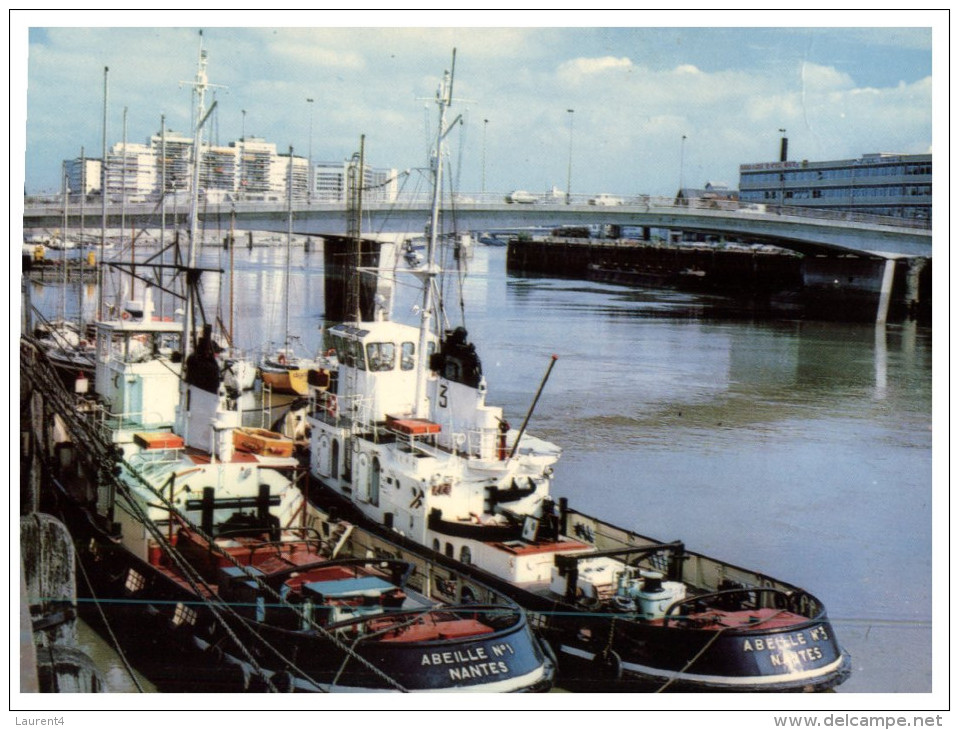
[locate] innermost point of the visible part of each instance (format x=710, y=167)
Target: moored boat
x=199, y=553
x=285, y=373
x=262, y=441
x=406, y=445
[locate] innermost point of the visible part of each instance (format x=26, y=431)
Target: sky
x=842, y=84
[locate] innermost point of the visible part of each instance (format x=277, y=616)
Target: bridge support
x=885, y=291
x=913, y=272
x=850, y=287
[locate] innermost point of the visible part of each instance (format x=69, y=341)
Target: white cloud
x=816, y=78
x=635, y=95
x=578, y=68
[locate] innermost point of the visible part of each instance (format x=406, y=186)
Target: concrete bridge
x=806, y=230
x=825, y=237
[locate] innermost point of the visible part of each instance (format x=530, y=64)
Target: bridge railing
x=538, y=200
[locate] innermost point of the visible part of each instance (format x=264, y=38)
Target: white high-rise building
x=255, y=160
x=178, y=171
x=330, y=183
x=131, y=172
x=83, y=176
x=246, y=169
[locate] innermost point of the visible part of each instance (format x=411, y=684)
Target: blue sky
x=637, y=82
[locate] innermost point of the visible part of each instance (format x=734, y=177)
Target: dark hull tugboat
x=202, y=557
x=199, y=553
x=404, y=442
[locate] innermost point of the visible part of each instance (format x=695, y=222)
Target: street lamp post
x=309, y=177
x=485, y=123
x=782, y=169
x=569, y=168
x=682, y=153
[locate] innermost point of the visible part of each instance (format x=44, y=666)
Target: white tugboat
x=405, y=442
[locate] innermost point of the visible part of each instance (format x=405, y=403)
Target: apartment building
x=131, y=173
x=246, y=169
x=330, y=182
x=83, y=176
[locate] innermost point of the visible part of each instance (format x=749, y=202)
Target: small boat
x=261, y=441
x=412, y=450
x=283, y=372
x=58, y=243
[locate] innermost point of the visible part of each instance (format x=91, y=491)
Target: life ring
x=332, y=409
x=281, y=359
x=125, y=315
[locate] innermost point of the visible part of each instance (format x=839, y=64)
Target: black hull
x=178, y=642
x=643, y=657
x=604, y=652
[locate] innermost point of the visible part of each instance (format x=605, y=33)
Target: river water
x=801, y=449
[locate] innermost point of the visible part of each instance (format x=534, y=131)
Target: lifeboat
x=262, y=441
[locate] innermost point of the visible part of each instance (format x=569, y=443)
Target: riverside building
x=887, y=184
x=249, y=168
x=330, y=182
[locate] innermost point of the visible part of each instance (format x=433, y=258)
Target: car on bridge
x=521, y=196
x=605, y=199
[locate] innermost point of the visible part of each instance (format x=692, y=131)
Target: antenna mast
x=444, y=98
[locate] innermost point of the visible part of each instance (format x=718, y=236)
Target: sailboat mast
x=199, y=89
x=232, y=275
x=289, y=252
x=162, y=203
x=103, y=198
x=443, y=101
x=63, y=243
x=83, y=194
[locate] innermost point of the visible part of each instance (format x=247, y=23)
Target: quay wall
x=760, y=280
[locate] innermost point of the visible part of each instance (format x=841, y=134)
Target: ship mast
x=444, y=98
x=200, y=86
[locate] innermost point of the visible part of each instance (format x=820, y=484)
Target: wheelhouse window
x=381, y=356
x=343, y=351
x=351, y=353
x=408, y=356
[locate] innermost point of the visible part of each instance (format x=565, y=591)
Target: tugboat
x=404, y=443
x=207, y=568
x=197, y=548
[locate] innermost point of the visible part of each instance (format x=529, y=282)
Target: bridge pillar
x=849, y=287
x=914, y=269
x=885, y=291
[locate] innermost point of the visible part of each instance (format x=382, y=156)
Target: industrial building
x=885, y=184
